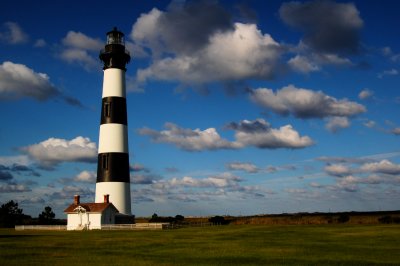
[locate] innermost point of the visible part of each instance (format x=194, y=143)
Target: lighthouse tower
x=113, y=157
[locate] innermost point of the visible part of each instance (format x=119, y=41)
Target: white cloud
x=336, y=123
x=86, y=177
x=188, y=139
x=339, y=170
x=259, y=133
x=383, y=167
x=256, y=133
x=80, y=49
x=365, y=94
x=82, y=41
x=79, y=56
x=40, y=43
x=14, y=188
x=390, y=72
x=230, y=55
x=396, y=131
x=12, y=33
x=12, y=160
x=222, y=180
x=247, y=167
x=18, y=81
x=51, y=152
x=369, y=124
x=302, y=64
x=304, y=103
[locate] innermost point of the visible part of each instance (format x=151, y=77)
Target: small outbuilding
x=88, y=216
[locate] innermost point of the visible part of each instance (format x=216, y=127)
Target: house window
x=104, y=161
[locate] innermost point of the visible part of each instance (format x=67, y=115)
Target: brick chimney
x=106, y=198
x=77, y=199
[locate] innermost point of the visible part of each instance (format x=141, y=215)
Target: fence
x=41, y=227
x=137, y=226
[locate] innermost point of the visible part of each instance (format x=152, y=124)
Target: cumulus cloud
x=18, y=81
x=304, y=103
x=5, y=176
x=14, y=188
x=336, y=123
x=68, y=192
x=303, y=64
x=144, y=179
x=86, y=177
x=81, y=41
x=219, y=51
x=172, y=30
x=369, y=124
x=389, y=72
x=137, y=167
x=234, y=55
x=328, y=26
x=12, y=33
x=217, y=181
x=396, y=131
x=40, y=43
x=80, y=49
x=259, y=133
x=365, y=94
x=256, y=133
x=16, y=168
x=383, y=167
x=338, y=170
x=247, y=167
x=53, y=151
x=79, y=56
x=188, y=139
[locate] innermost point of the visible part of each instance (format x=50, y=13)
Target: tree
x=10, y=214
x=47, y=216
x=179, y=218
x=218, y=220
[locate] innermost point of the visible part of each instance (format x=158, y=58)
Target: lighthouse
x=113, y=155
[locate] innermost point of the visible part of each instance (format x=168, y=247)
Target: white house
x=90, y=215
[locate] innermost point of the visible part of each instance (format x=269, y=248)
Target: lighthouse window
x=107, y=109
x=104, y=161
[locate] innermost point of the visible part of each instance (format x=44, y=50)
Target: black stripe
x=113, y=167
x=113, y=111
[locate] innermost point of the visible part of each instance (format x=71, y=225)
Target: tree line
x=11, y=215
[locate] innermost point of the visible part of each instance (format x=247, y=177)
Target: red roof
x=90, y=207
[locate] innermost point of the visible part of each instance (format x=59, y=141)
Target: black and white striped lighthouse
x=113, y=155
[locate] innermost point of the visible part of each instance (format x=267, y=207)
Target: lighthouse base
x=119, y=195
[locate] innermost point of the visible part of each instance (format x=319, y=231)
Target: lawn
x=220, y=245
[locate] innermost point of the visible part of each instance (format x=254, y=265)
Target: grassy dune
x=222, y=245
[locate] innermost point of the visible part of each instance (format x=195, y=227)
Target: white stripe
x=113, y=138
x=120, y=195
x=114, y=83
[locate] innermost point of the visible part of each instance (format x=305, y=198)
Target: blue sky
x=234, y=107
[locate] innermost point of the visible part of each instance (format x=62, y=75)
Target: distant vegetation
x=384, y=217
x=11, y=215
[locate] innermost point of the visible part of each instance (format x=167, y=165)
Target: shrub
x=218, y=220
x=343, y=218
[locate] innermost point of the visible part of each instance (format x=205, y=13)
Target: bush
x=343, y=218
x=387, y=219
x=218, y=220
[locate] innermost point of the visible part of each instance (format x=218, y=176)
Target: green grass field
x=221, y=245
